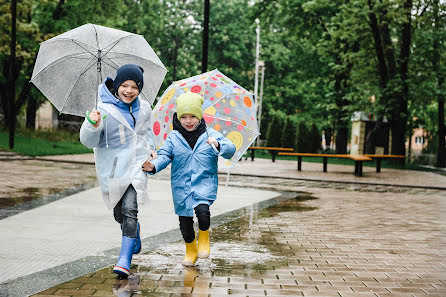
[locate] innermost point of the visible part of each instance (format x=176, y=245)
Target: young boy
x=194, y=176
x=121, y=141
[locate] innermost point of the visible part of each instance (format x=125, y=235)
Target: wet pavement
x=341, y=238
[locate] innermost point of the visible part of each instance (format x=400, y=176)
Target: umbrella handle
x=87, y=115
x=215, y=149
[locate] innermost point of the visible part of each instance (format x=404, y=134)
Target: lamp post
x=259, y=104
x=256, y=76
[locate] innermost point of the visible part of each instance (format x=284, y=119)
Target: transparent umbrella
x=227, y=107
x=70, y=66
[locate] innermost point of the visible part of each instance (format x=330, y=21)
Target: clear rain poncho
x=119, y=150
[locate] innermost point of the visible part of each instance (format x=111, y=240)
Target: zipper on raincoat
x=134, y=120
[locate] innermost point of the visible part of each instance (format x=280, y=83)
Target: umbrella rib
x=115, y=43
x=58, y=61
x=223, y=119
x=125, y=54
x=80, y=44
x=75, y=83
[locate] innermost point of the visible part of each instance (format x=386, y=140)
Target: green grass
x=386, y=163
x=44, y=143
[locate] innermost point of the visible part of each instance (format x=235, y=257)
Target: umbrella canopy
x=227, y=107
x=70, y=66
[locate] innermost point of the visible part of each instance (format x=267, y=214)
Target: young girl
x=121, y=141
x=194, y=173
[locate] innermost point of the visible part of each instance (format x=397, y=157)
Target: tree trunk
x=394, y=99
x=12, y=75
x=31, y=110
x=175, y=58
x=57, y=14
x=204, y=58
x=441, y=154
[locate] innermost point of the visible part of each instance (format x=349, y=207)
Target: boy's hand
x=214, y=141
x=95, y=115
x=148, y=166
x=153, y=154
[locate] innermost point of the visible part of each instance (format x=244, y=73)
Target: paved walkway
x=303, y=238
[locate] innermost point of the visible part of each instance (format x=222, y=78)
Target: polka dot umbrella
x=227, y=108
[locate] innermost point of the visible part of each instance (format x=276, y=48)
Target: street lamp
x=256, y=75
x=259, y=104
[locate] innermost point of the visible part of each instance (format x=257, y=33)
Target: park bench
x=359, y=159
x=273, y=151
x=380, y=157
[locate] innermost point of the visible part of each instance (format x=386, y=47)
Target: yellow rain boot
x=203, y=244
x=191, y=253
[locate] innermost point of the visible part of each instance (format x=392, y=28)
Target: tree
x=18, y=43
x=204, y=57
x=274, y=133
x=440, y=73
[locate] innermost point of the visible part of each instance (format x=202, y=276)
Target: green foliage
x=289, y=134
x=274, y=133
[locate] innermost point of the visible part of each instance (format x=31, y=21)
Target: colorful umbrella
x=227, y=107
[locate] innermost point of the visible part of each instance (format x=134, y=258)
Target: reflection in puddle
x=222, y=254
x=127, y=287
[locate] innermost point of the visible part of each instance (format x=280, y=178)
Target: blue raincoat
x=194, y=172
x=119, y=150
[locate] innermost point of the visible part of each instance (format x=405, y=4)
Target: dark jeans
x=187, y=223
x=126, y=213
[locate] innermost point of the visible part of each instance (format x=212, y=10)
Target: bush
x=303, y=144
x=274, y=132
x=289, y=134
x=316, y=139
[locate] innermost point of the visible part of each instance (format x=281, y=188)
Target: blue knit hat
x=129, y=72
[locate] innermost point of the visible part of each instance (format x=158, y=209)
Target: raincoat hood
x=124, y=108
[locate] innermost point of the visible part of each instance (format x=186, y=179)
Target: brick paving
x=329, y=241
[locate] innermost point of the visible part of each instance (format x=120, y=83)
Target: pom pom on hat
x=129, y=72
x=189, y=103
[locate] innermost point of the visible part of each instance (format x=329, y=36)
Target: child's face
x=189, y=122
x=128, y=91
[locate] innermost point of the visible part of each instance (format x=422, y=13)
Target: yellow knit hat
x=189, y=103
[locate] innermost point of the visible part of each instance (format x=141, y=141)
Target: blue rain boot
x=122, y=268
x=138, y=245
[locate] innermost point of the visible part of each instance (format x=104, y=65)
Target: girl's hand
x=214, y=141
x=153, y=155
x=148, y=166
x=95, y=115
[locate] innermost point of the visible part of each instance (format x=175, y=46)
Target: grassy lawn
x=44, y=143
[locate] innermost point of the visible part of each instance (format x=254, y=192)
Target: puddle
x=244, y=248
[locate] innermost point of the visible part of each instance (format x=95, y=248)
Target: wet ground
x=24, y=179
x=319, y=242
x=321, y=238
